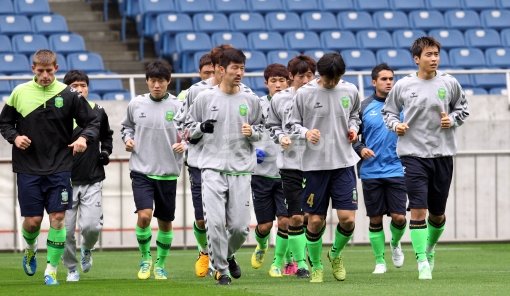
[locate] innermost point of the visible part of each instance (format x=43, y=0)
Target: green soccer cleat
x=275, y=271
x=337, y=264
x=160, y=273
x=424, y=270
x=257, y=258
x=145, y=270
x=317, y=276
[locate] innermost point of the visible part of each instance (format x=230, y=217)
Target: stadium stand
x=359, y=59
x=11, y=63
x=266, y=41
x=449, y=38
x=229, y=6
x=443, y=5
x=49, y=24
x=86, y=61
x=402, y=38
x=283, y=21
x=408, y=5
x=318, y=21
x=495, y=19
x=482, y=38
x=193, y=6
x=390, y=20
x=374, y=39
x=371, y=5
x=335, y=5
x=480, y=5
x=67, y=43
x=116, y=95
x=186, y=44
x=426, y=20
x=462, y=19
x=255, y=61
x=27, y=44
x=102, y=86
x=263, y=6
x=167, y=25
x=5, y=44
x=281, y=56
x=301, y=5
x=399, y=59
x=210, y=22
x=31, y=7
x=338, y=40
x=7, y=8
x=355, y=20
x=237, y=39
x=247, y=22
x=15, y=24
x=302, y=40
x=498, y=57
x=468, y=58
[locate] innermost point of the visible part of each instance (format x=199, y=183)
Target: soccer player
x=435, y=106
x=301, y=71
x=151, y=135
x=205, y=71
x=326, y=113
x=38, y=120
x=266, y=183
x=227, y=120
x=381, y=172
x=87, y=178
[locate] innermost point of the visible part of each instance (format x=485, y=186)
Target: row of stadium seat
x=63, y=43
x=26, y=7
x=121, y=95
x=42, y=24
x=89, y=62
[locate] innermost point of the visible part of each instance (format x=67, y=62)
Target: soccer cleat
x=86, y=260
x=302, y=273
x=145, y=269
x=202, y=265
x=73, y=276
x=424, y=270
x=275, y=271
x=50, y=278
x=337, y=264
x=234, y=268
x=29, y=261
x=431, y=252
x=290, y=268
x=317, y=276
x=223, y=280
x=257, y=258
x=380, y=268
x=160, y=273
x=397, y=256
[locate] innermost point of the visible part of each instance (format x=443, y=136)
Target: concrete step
x=99, y=36
x=125, y=67
x=124, y=56
x=88, y=26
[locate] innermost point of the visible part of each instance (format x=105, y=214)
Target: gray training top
x=422, y=102
x=270, y=150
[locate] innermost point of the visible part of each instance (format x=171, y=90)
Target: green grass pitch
x=461, y=269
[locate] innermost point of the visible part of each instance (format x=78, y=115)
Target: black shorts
x=268, y=201
x=384, y=196
x=195, y=179
x=428, y=182
x=51, y=192
x=339, y=184
x=292, y=182
x=154, y=194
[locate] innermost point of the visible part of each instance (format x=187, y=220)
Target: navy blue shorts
x=158, y=195
x=292, y=182
x=51, y=192
x=384, y=196
x=195, y=179
x=428, y=182
x=268, y=201
x=339, y=184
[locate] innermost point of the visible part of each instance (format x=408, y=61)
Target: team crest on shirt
x=243, y=110
x=59, y=102
x=169, y=115
x=345, y=101
x=441, y=93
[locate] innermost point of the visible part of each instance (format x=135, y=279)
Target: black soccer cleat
x=224, y=280
x=302, y=273
x=234, y=268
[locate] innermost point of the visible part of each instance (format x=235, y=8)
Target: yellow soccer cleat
x=202, y=265
x=145, y=270
x=337, y=264
x=257, y=258
x=317, y=275
x=275, y=272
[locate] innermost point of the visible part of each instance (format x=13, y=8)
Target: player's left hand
x=352, y=136
x=246, y=130
x=79, y=146
x=179, y=147
x=445, y=120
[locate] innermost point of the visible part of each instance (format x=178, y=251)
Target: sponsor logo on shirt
x=214, y=108
x=413, y=95
x=317, y=105
x=142, y=115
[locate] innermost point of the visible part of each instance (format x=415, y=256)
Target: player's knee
x=398, y=219
x=265, y=228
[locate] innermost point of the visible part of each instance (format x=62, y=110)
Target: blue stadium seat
x=480, y=5
x=467, y=58
x=426, y=20
x=62, y=63
x=148, y=11
x=448, y=38
x=444, y=59
x=4, y=96
x=127, y=9
x=247, y=22
x=7, y=8
x=13, y=63
x=488, y=80
x=263, y=6
x=318, y=21
x=49, y=24
x=196, y=61
x=355, y=20
x=398, y=59
x=94, y=96
x=351, y=79
x=5, y=86
x=482, y=38
x=188, y=43
x=257, y=84
x=255, y=61
x=28, y=43
x=390, y=20
x=498, y=57
x=443, y=5
x=374, y=39
x=31, y=7
x=117, y=96
x=193, y=6
x=14, y=24
x=302, y=40
x=101, y=86
x=85, y=61
x=505, y=37
x=464, y=80
x=462, y=19
x=408, y=5
x=281, y=56
x=336, y=6
x=405, y=37
x=495, y=19
x=237, y=39
x=67, y=43
x=338, y=40
x=359, y=59
x=283, y=21
x=265, y=41
x=475, y=91
x=504, y=4
x=5, y=44
x=229, y=6
x=210, y=22
x=499, y=91
x=301, y=5
x=167, y=25
x=316, y=54
x=371, y=5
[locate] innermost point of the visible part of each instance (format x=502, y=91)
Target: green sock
x=282, y=243
x=419, y=238
x=377, y=239
x=297, y=245
x=342, y=237
x=261, y=238
x=30, y=237
x=144, y=236
x=163, y=243
x=314, y=245
x=288, y=254
x=55, y=243
x=201, y=238
x=434, y=232
x=396, y=233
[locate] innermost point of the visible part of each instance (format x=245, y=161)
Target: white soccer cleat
x=73, y=276
x=424, y=272
x=380, y=268
x=397, y=256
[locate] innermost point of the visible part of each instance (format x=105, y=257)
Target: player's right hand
x=285, y=142
x=401, y=128
x=313, y=136
x=22, y=142
x=130, y=145
x=366, y=153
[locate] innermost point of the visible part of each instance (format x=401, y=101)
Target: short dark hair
x=276, y=70
x=379, y=68
x=76, y=75
x=217, y=52
x=301, y=64
x=232, y=55
x=158, y=69
x=44, y=57
x=331, y=65
x=204, y=61
x=421, y=43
